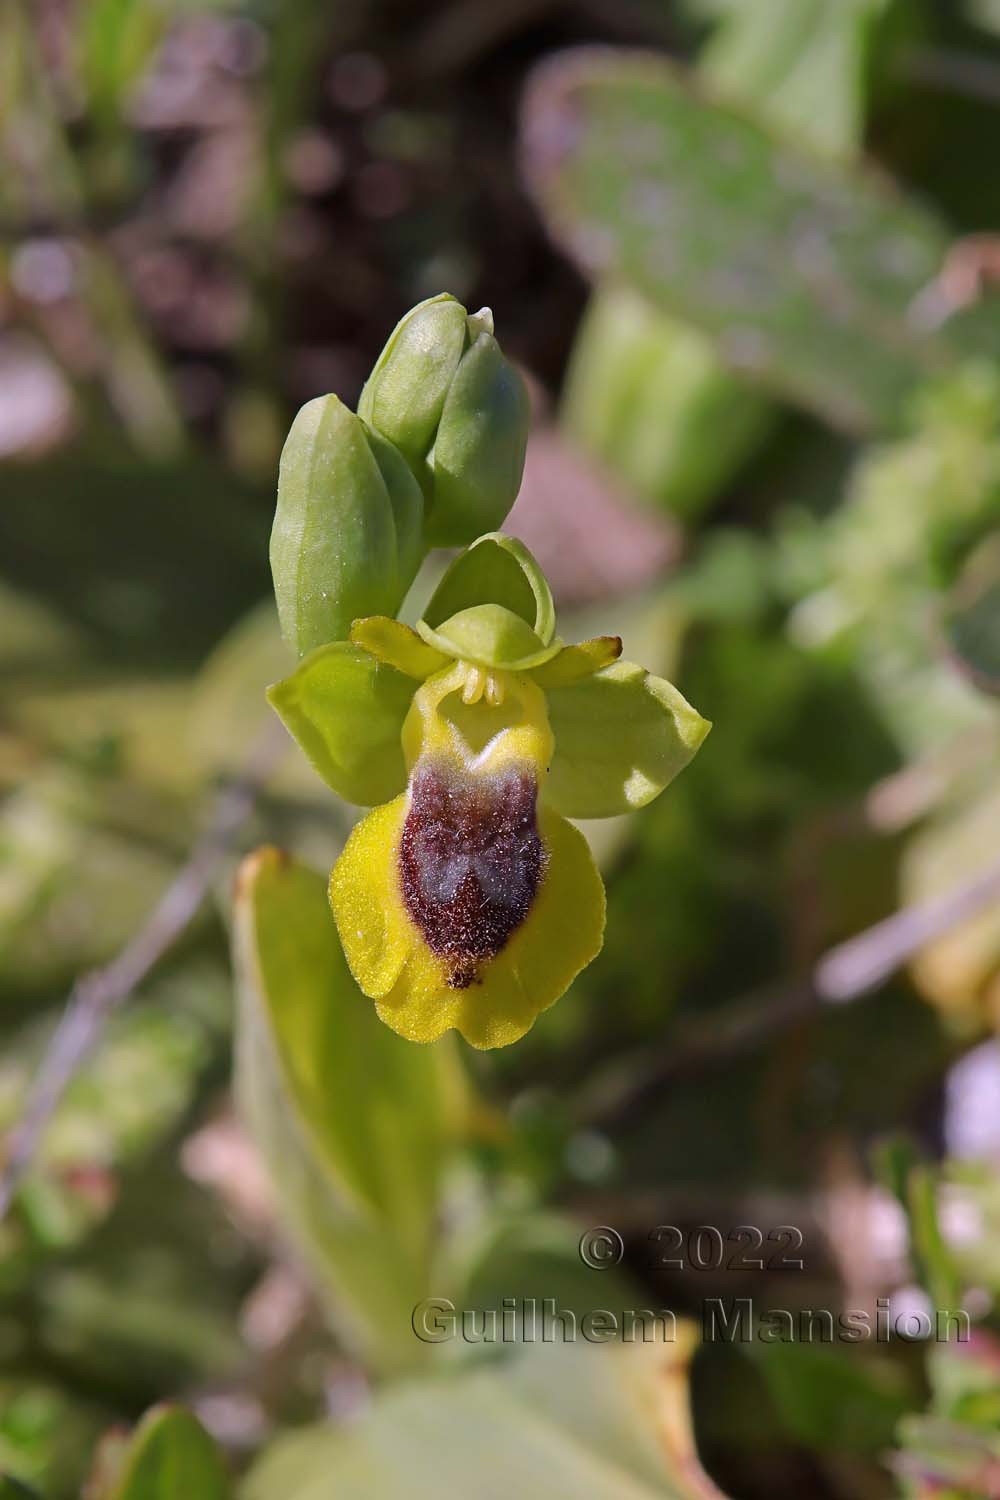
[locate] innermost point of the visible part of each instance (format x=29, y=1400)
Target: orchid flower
x=467, y=899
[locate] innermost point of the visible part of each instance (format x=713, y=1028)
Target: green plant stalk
x=934, y=1261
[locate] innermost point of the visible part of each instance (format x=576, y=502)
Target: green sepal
x=621, y=736
x=496, y=569
x=398, y=646
x=574, y=663
x=488, y=635
x=478, y=454
x=346, y=710
x=346, y=539
x=407, y=507
x=405, y=394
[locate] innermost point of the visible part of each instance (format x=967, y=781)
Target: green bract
x=457, y=410
x=621, y=735
x=348, y=530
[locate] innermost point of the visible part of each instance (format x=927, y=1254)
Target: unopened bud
x=458, y=411
x=348, y=530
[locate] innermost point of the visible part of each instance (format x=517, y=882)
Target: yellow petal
x=392, y=642
x=576, y=662
x=375, y=931
x=561, y=934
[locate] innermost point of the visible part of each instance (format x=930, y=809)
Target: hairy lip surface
x=470, y=862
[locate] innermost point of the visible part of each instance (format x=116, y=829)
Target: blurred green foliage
x=169, y=1453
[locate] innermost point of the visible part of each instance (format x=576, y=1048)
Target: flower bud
x=458, y=411
x=348, y=529
x=405, y=394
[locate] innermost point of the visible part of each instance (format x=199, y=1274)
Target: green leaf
x=170, y=1457
x=935, y=1264
x=346, y=710
x=645, y=391
x=116, y=41
x=347, y=529
x=354, y=1123
x=560, y=1419
x=183, y=565
x=13, y=1489
x=802, y=63
x=833, y=1399
x=621, y=737
x=803, y=274
x=648, y=395
x=495, y=569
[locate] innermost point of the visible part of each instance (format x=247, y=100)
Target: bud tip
x=481, y=322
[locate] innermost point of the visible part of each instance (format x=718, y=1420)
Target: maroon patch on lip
x=470, y=862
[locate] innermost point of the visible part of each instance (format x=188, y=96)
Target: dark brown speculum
x=470, y=862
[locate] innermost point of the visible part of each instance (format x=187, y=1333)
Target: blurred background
x=767, y=451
